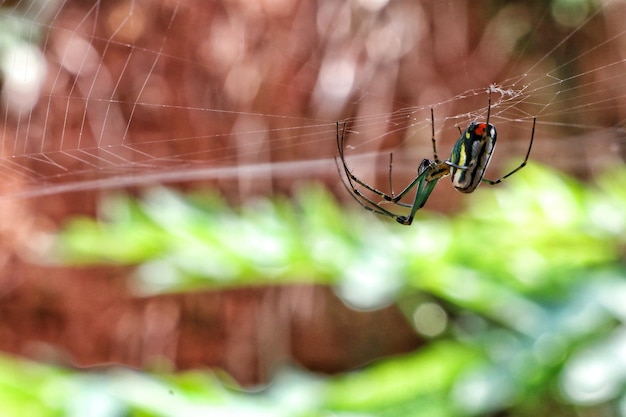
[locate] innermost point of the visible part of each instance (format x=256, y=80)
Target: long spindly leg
x=522, y=165
x=355, y=193
x=350, y=182
x=352, y=179
x=395, y=198
x=432, y=137
x=366, y=202
x=488, y=110
x=390, y=175
x=424, y=189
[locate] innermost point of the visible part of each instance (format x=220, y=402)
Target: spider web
x=245, y=95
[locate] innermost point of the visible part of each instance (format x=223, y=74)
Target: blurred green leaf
x=426, y=376
x=530, y=279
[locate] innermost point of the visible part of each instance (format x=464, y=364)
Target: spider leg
x=428, y=174
x=395, y=198
x=488, y=109
x=349, y=182
x=522, y=165
x=390, y=176
x=424, y=189
x=365, y=202
x=462, y=168
x=351, y=177
x=432, y=138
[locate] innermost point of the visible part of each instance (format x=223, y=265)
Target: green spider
x=467, y=164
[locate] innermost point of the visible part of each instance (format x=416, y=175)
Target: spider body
x=468, y=161
x=470, y=156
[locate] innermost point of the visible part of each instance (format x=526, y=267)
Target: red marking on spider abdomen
x=480, y=129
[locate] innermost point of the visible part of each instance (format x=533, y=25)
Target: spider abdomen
x=470, y=156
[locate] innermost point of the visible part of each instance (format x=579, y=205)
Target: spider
x=467, y=164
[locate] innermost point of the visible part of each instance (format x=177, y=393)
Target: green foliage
x=530, y=280
x=540, y=230
x=28, y=389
